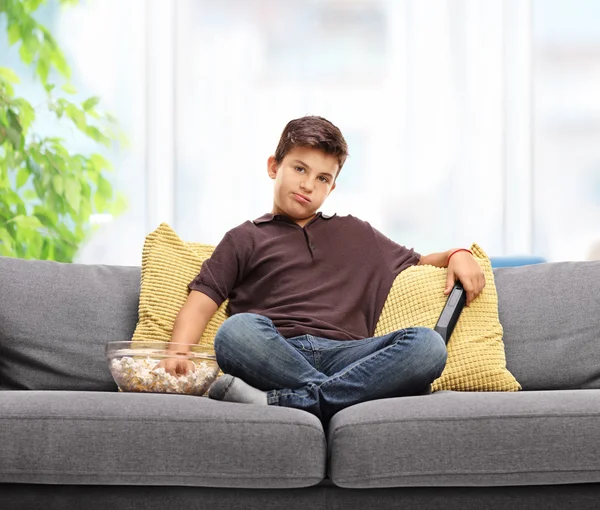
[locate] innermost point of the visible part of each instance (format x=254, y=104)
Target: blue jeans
x=323, y=376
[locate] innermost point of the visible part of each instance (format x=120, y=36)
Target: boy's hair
x=316, y=132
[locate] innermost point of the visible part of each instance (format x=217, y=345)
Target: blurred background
x=467, y=120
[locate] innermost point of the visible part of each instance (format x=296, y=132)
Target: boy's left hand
x=464, y=267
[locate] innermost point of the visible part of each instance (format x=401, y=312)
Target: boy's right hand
x=176, y=366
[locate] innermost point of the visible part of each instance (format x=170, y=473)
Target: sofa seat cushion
x=468, y=439
x=96, y=438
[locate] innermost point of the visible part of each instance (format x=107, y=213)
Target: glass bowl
x=134, y=366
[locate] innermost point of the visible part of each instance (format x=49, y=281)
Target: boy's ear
x=272, y=167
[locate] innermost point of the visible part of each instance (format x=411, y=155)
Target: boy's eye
x=302, y=169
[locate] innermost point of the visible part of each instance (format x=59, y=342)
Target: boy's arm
x=436, y=259
x=462, y=266
x=192, y=320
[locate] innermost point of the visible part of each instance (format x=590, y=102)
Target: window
x=467, y=121
x=566, y=188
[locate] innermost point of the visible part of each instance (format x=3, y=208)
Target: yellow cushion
x=476, y=359
x=168, y=265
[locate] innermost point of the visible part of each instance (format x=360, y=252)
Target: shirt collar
x=265, y=218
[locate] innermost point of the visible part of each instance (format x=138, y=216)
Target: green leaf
x=34, y=245
x=45, y=252
x=95, y=134
x=88, y=104
x=39, y=187
x=104, y=188
x=13, y=129
x=60, y=111
x=25, y=54
x=12, y=159
x=46, y=178
x=14, y=136
x=43, y=69
x=100, y=163
x=49, y=87
x=11, y=199
x=61, y=154
x=76, y=115
x=13, y=121
x=48, y=218
x=26, y=114
x=73, y=193
x=58, y=184
x=69, y=88
x=9, y=75
x=85, y=211
x=27, y=222
x=14, y=33
x=22, y=177
x=32, y=5
x=60, y=63
x=8, y=88
x=100, y=203
x=6, y=241
x=86, y=189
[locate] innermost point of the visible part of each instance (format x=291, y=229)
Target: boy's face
x=303, y=181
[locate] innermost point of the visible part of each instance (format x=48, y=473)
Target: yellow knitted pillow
x=476, y=359
x=168, y=265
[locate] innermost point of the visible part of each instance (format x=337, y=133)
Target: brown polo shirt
x=329, y=279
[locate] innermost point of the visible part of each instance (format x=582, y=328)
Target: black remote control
x=451, y=312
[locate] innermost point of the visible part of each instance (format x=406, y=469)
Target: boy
x=306, y=291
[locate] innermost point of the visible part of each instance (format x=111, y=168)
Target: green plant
x=48, y=193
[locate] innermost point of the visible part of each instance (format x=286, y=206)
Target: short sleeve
x=220, y=273
x=396, y=257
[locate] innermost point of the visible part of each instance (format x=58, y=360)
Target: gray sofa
x=68, y=439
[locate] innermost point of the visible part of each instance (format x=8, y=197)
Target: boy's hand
x=176, y=366
x=464, y=267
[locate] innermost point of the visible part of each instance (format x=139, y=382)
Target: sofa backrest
x=55, y=320
x=551, y=319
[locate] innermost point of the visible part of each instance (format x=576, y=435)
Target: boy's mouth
x=301, y=198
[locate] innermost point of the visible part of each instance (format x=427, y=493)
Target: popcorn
x=139, y=375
